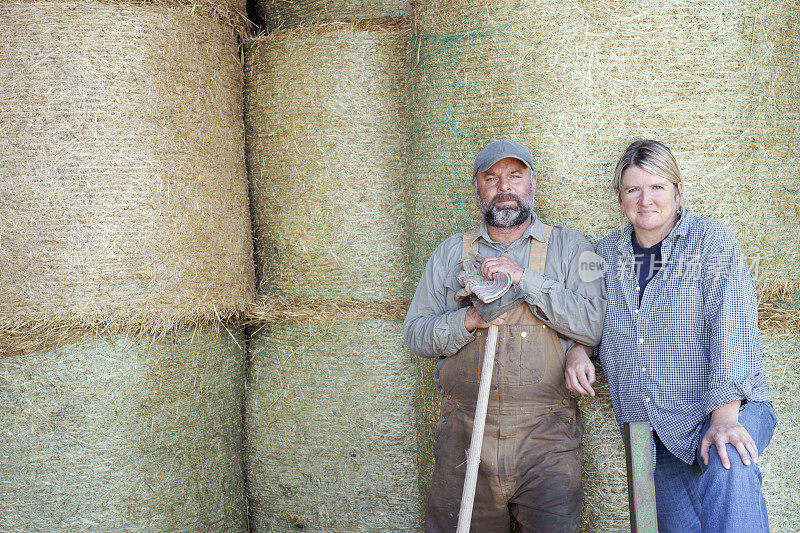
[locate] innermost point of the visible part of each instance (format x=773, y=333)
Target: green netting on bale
x=605, y=485
x=123, y=188
x=330, y=428
x=289, y=14
x=326, y=121
x=120, y=434
x=427, y=403
x=780, y=463
x=576, y=82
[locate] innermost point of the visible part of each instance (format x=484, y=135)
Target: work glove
x=491, y=298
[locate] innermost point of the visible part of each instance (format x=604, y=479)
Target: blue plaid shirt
x=693, y=344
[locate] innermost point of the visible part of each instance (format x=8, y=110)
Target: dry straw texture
x=577, y=81
x=780, y=314
x=287, y=14
x=325, y=112
x=780, y=463
x=119, y=434
x=232, y=12
x=329, y=428
x=122, y=181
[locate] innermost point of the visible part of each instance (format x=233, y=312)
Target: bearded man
x=530, y=461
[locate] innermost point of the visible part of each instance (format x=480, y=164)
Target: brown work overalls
x=531, y=460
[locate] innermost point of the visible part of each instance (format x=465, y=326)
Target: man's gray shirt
x=569, y=300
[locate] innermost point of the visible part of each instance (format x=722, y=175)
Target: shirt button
x=641, y=341
x=644, y=369
x=647, y=398
x=637, y=287
x=523, y=334
x=636, y=311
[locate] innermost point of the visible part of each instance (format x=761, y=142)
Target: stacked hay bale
x=280, y=14
x=779, y=464
x=716, y=81
x=576, y=82
x=126, y=236
x=329, y=415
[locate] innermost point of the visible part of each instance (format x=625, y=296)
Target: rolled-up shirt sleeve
x=730, y=314
x=571, y=296
x=434, y=324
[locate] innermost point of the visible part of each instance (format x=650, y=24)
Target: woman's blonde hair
x=651, y=156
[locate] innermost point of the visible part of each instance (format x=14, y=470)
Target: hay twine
x=124, y=434
x=325, y=113
x=121, y=169
x=329, y=424
x=280, y=14
x=718, y=84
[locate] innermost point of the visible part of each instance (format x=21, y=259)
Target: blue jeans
x=696, y=497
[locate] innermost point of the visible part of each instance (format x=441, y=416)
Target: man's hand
x=726, y=429
x=490, y=265
x=579, y=370
x=473, y=320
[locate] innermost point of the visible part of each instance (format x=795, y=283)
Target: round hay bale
x=123, y=190
x=576, y=82
x=329, y=428
x=325, y=114
x=232, y=12
x=780, y=463
x=281, y=14
x=121, y=434
x=605, y=485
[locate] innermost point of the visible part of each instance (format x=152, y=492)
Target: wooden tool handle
x=476, y=443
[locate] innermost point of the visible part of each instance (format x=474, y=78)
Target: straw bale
x=780, y=462
x=124, y=434
x=286, y=14
x=231, y=12
x=576, y=82
x=781, y=315
x=330, y=442
x=123, y=189
x=325, y=114
x=286, y=309
x=605, y=487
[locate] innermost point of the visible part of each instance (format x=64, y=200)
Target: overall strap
x=468, y=248
x=539, y=251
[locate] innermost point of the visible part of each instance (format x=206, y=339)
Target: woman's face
x=649, y=202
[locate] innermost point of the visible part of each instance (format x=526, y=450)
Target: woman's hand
x=726, y=429
x=579, y=370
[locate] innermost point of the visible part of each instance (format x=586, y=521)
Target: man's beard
x=506, y=217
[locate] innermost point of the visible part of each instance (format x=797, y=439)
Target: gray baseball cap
x=500, y=149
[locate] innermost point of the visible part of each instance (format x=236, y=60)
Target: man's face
x=505, y=193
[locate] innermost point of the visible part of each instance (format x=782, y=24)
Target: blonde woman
x=681, y=349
